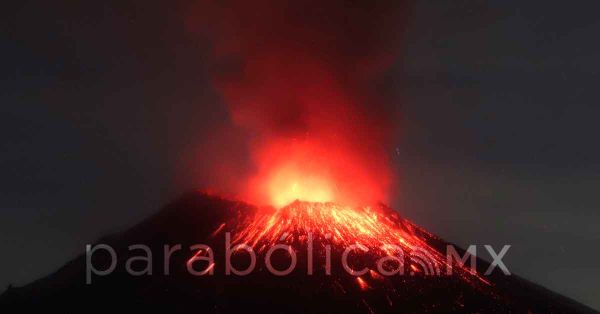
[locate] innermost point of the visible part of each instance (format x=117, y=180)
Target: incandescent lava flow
x=374, y=243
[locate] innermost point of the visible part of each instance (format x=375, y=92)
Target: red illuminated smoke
x=301, y=79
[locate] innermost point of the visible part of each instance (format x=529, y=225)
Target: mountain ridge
x=194, y=217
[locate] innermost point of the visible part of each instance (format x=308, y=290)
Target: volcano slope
x=421, y=283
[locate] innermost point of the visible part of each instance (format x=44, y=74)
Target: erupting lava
x=313, y=172
x=345, y=225
x=376, y=231
x=289, y=181
x=303, y=83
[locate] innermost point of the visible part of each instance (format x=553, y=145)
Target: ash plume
x=299, y=78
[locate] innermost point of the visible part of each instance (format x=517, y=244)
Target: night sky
x=105, y=109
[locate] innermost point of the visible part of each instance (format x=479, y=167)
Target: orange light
x=289, y=183
x=312, y=171
x=377, y=228
x=362, y=284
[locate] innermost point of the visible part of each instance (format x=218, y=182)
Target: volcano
x=214, y=231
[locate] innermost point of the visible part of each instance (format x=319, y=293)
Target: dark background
x=104, y=106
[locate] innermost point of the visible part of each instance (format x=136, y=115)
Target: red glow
x=346, y=225
x=362, y=284
x=301, y=84
x=308, y=171
x=378, y=229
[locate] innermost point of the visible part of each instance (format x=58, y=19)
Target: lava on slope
x=376, y=231
x=201, y=219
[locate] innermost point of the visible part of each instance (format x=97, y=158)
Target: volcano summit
x=205, y=253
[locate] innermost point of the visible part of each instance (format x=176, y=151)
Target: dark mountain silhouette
x=195, y=217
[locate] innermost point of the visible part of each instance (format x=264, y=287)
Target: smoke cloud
x=300, y=79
